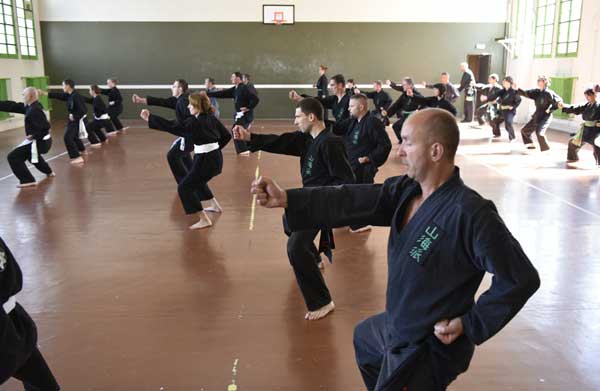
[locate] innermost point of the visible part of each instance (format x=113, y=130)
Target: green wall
x=158, y=52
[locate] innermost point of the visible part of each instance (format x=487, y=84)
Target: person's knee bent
x=13, y=157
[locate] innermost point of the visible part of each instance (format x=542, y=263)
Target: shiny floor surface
x=127, y=298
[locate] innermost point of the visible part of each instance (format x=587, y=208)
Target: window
x=544, y=28
x=26, y=25
x=8, y=41
x=569, y=23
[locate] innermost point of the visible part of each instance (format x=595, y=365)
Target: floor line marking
x=233, y=385
x=253, y=207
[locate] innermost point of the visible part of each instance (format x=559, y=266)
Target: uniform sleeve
x=424, y=100
x=337, y=163
x=58, y=96
x=8, y=106
x=292, y=143
x=328, y=102
x=514, y=280
x=387, y=102
x=39, y=124
x=383, y=145
x=225, y=135
x=574, y=109
x=397, y=87
x=340, y=206
x=531, y=94
x=253, y=99
x=371, y=94
x=341, y=128
x=10, y=340
x=105, y=91
x=517, y=101
x=394, y=108
x=170, y=126
x=222, y=94
x=88, y=100
x=79, y=107
x=455, y=92
x=117, y=98
x=492, y=96
x=170, y=103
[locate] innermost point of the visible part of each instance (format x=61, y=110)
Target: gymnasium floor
x=127, y=298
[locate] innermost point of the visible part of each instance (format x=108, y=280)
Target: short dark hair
x=494, y=76
x=95, y=88
x=312, y=106
x=378, y=82
x=238, y=74
x=183, y=84
x=69, y=83
x=113, y=79
x=509, y=79
x=338, y=79
x=445, y=74
x=351, y=81
x=409, y=81
x=441, y=88
x=590, y=91
x=210, y=80
x=246, y=75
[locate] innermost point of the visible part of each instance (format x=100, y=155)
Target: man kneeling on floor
x=444, y=237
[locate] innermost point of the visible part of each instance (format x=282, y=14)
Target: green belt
x=505, y=107
x=578, y=138
x=590, y=124
x=407, y=113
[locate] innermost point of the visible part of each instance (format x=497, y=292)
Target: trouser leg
x=304, y=258
x=16, y=159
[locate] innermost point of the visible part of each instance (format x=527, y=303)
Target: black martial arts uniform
x=488, y=111
x=366, y=137
x=323, y=162
x=436, y=263
x=382, y=101
x=208, y=136
x=452, y=93
x=590, y=113
x=338, y=106
x=467, y=85
x=435, y=102
x=77, y=110
x=101, y=120
x=546, y=101
x=38, y=128
x=115, y=106
x=19, y=355
x=322, y=87
x=508, y=100
x=242, y=97
x=178, y=156
x=403, y=107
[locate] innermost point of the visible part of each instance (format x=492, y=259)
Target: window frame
x=4, y=26
x=18, y=26
x=545, y=26
x=568, y=22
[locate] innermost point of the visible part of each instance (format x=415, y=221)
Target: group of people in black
x=346, y=150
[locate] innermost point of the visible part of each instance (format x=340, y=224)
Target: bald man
x=443, y=238
x=37, y=142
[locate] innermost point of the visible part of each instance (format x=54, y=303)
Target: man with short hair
x=381, y=100
x=337, y=102
x=37, y=142
x=488, y=111
x=244, y=104
x=77, y=112
x=323, y=162
x=452, y=93
x=209, y=85
x=404, y=106
x=443, y=238
x=178, y=156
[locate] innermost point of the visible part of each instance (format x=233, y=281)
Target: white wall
x=471, y=11
x=586, y=66
x=15, y=69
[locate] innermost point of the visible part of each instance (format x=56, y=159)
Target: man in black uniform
x=366, y=141
x=19, y=355
x=338, y=102
x=244, y=103
x=443, y=238
x=38, y=141
x=115, y=105
x=404, y=106
x=77, y=111
x=381, y=100
x=323, y=162
x=178, y=156
x=452, y=93
x=436, y=101
x=508, y=100
x=488, y=111
x=590, y=128
x=467, y=84
x=546, y=101
x=101, y=119
x=321, y=85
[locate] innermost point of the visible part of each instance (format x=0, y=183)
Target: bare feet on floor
x=214, y=206
x=204, y=221
x=26, y=185
x=320, y=313
x=96, y=145
x=361, y=229
x=77, y=160
x=51, y=175
x=246, y=153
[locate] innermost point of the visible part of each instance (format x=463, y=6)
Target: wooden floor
x=127, y=298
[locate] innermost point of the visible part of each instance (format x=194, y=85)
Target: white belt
x=103, y=116
x=206, y=148
x=239, y=114
x=34, y=151
x=82, y=130
x=10, y=304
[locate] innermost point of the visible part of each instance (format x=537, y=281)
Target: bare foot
x=112, y=134
x=84, y=152
x=245, y=153
x=321, y=266
x=96, y=145
x=320, y=313
x=25, y=185
x=214, y=207
x=204, y=222
x=361, y=229
x=51, y=175
x=77, y=160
